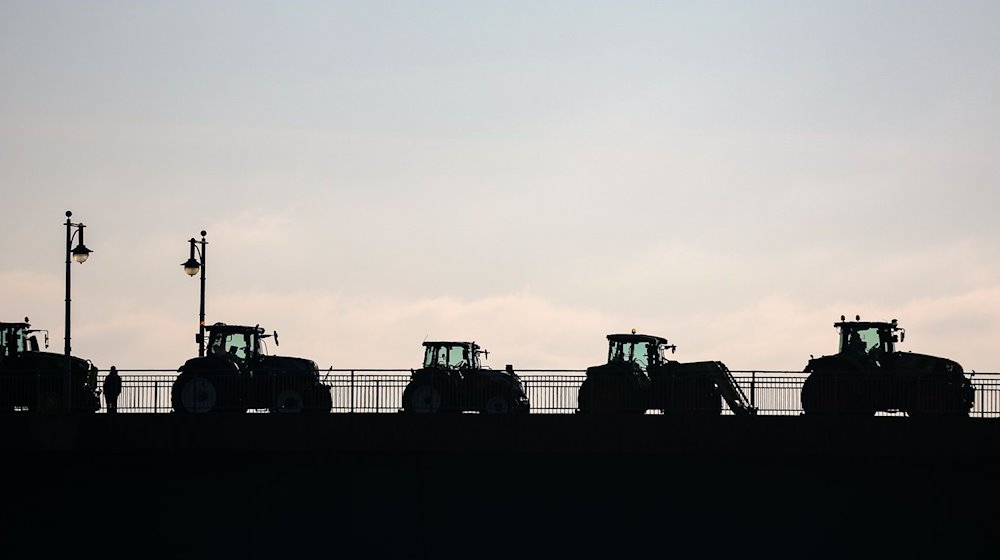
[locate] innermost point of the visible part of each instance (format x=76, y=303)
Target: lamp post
x=78, y=254
x=191, y=267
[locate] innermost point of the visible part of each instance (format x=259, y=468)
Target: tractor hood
x=926, y=363
x=290, y=364
x=614, y=368
x=290, y=361
x=502, y=375
x=835, y=362
x=49, y=361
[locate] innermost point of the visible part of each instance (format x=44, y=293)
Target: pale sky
x=531, y=175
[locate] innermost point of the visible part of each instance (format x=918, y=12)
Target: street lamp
x=78, y=254
x=191, y=267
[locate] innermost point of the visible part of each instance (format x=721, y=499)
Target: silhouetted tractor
x=237, y=375
x=869, y=375
x=34, y=380
x=638, y=377
x=453, y=379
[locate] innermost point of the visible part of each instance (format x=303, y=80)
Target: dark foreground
x=469, y=486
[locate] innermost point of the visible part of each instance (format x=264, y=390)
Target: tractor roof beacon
x=868, y=375
x=34, y=380
x=638, y=377
x=237, y=375
x=453, y=379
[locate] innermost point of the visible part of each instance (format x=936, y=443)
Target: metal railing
x=772, y=393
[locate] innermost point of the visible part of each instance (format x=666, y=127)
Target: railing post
x=351, y=397
x=753, y=389
x=378, y=394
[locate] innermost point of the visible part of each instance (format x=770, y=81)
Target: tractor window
x=459, y=357
x=445, y=357
x=11, y=341
x=430, y=356
x=640, y=354
x=860, y=341
x=617, y=352
x=236, y=344
x=871, y=339
x=885, y=344
x=436, y=357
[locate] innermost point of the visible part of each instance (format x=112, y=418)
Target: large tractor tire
x=321, y=401
x=937, y=400
x=294, y=400
x=423, y=398
x=830, y=394
x=288, y=401
x=196, y=394
x=434, y=393
x=599, y=396
x=49, y=402
x=499, y=403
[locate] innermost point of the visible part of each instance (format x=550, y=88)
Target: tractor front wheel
x=498, y=404
x=288, y=401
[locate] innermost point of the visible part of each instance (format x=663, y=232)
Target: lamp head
x=191, y=267
x=81, y=253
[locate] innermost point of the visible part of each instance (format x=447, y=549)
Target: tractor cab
x=869, y=339
x=240, y=344
x=642, y=350
x=452, y=355
x=16, y=338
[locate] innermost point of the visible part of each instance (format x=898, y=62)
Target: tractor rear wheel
x=829, y=394
x=601, y=397
x=423, y=398
x=194, y=394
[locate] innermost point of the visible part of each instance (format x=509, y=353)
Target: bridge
x=368, y=480
x=771, y=392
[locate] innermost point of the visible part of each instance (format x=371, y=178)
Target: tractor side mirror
x=902, y=336
x=33, y=343
x=198, y=338
x=275, y=338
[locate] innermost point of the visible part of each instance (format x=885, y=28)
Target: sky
x=530, y=175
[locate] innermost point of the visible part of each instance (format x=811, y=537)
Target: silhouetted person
x=112, y=388
x=855, y=345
